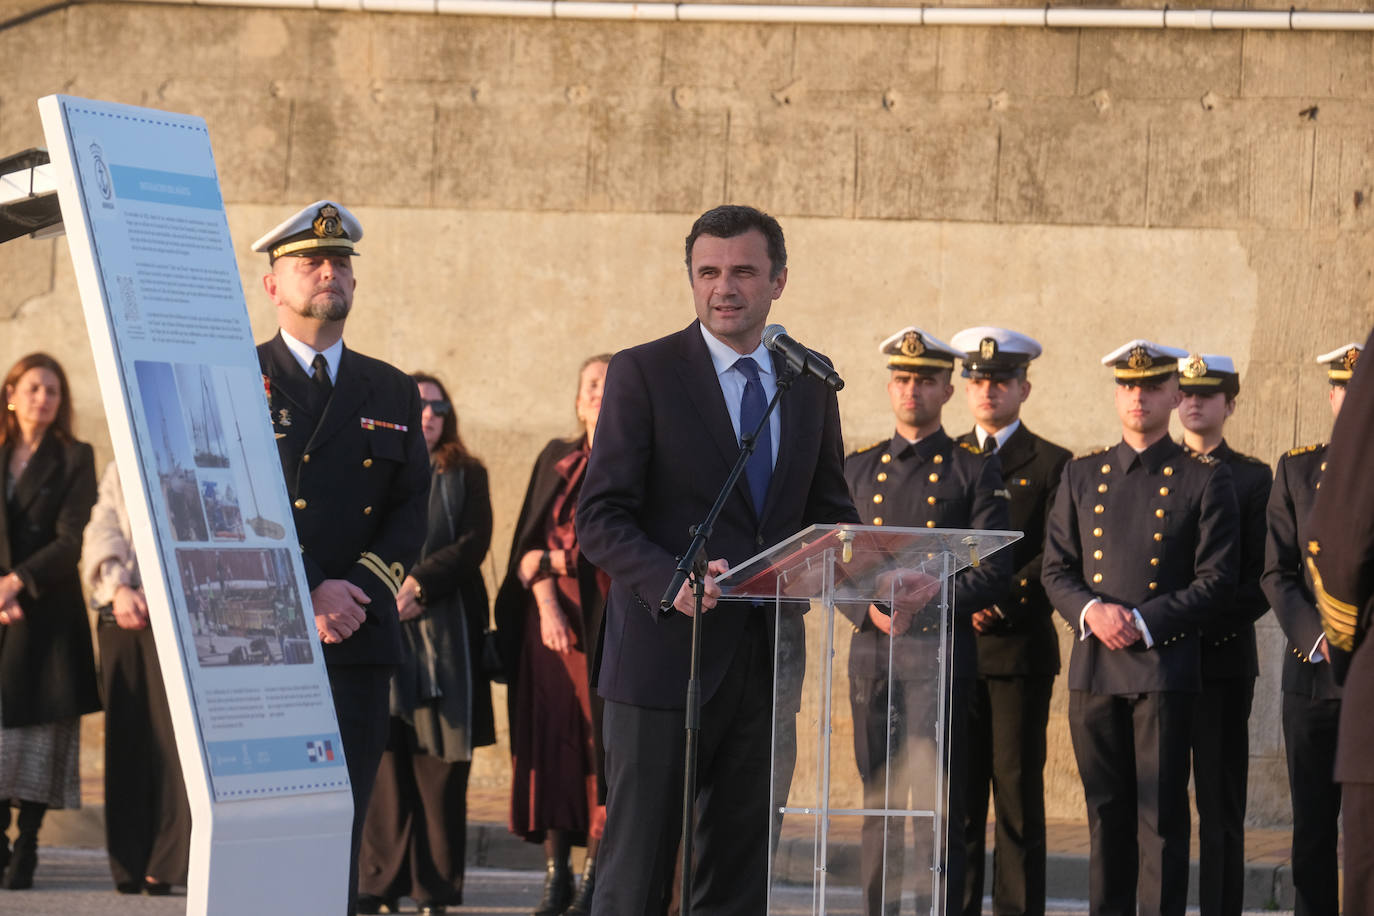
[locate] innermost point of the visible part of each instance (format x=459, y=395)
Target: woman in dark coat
x=548, y=613
x=414, y=838
x=47, y=668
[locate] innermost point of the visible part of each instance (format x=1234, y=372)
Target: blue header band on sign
x=275, y=755
x=166, y=188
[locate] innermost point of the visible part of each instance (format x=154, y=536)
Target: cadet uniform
x=1154, y=532
x=1311, y=696
x=932, y=483
x=1342, y=549
x=1017, y=661
x=357, y=473
x=1230, y=664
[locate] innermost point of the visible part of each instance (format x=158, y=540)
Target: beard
x=326, y=304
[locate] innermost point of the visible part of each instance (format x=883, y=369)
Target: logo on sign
x=102, y=173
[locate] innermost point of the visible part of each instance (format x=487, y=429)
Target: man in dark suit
x=1139, y=549
x=1230, y=664
x=1311, y=694
x=1342, y=553
x=357, y=472
x=1018, y=651
x=668, y=434
x=920, y=478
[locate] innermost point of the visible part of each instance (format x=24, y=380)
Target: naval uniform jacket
x=664, y=445
x=1228, y=638
x=936, y=483
x=1286, y=581
x=1155, y=532
x=358, y=479
x=1023, y=641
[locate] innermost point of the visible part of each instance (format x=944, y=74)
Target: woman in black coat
x=47, y=668
x=414, y=838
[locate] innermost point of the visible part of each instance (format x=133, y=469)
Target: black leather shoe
x=23, y=861
x=557, y=890
x=156, y=888
x=368, y=904
x=129, y=887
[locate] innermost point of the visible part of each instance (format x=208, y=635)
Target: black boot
x=557, y=889
x=582, y=900
x=24, y=859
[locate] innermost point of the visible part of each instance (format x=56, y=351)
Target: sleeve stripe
x=389, y=575
x=1339, y=619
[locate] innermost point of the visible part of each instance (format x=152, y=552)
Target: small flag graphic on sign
x=319, y=751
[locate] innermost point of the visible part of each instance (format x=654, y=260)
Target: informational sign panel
x=188, y=417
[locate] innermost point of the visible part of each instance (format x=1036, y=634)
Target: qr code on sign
x=128, y=297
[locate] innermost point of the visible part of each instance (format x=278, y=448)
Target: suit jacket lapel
x=1018, y=452
x=288, y=379
x=702, y=387
x=44, y=464
x=350, y=390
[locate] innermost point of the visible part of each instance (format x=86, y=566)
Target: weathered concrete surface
x=526, y=185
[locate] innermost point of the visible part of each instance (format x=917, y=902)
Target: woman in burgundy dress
x=548, y=614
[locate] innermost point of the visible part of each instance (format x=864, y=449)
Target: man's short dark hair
x=730, y=220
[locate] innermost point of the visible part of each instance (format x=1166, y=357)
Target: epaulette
x=1205, y=459
x=869, y=448
x=1304, y=449
x=971, y=447
x=1097, y=451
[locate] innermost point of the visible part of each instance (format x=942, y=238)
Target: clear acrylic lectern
x=827, y=666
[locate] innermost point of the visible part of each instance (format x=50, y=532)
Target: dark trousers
x=894, y=747
x=1358, y=800
x=1132, y=754
x=1006, y=750
x=362, y=707
x=1309, y=737
x=415, y=837
x=644, y=772
x=147, y=817
x=1221, y=766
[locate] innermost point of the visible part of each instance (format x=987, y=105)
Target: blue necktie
x=751, y=409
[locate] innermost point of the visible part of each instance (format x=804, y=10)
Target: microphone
x=800, y=358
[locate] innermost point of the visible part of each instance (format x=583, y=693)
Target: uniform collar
x=922, y=449
x=1001, y=436
x=305, y=355
x=1151, y=459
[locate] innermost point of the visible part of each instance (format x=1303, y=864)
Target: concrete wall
x=525, y=187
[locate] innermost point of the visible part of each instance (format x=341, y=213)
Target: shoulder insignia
x=869, y=448
x=971, y=447
x=1304, y=449
x=1097, y=451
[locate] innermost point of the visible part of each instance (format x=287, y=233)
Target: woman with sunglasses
x=414, y=838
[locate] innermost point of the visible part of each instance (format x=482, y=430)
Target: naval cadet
x=920, y=478
x=1018, y=650
x=1139, y=548
x=357, y=472
x=1230, y=664
x=1341, y=552
x=1311, y=697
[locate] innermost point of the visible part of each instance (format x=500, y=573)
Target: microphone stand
x=693, y=564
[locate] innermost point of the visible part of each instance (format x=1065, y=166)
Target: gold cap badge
x=987, y=348
x=1195, y=367
x=912, y=345
x=327, y=224
x=1139, y=359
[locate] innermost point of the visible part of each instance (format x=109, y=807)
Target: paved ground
x=506, y=873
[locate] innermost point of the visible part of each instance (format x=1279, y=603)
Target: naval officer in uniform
x=1311, y=696
x=1341, y=552
x=1230, y=664
x=1018, y=651
x=357, y=472
x=920, y=478
x=1139, y=550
